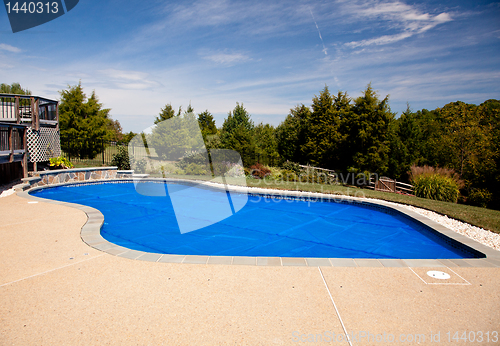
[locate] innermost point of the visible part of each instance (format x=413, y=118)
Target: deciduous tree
x=14, y=88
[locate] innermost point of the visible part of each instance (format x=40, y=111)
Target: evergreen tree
x=84, y=124
x=208, y=129
x=367, y=129
x=207, y=123
x=176, y=138
x=188, y=110
x=322, y=137
x=343, y=108
x=406, y=138
x=237, y=133
x=239, y=117
x=267, y=146
x=166, y=113
x=290, y=134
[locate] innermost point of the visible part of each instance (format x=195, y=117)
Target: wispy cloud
x=123, y=79
x=9, y=48
x=225, y=58
x=386, y=39
x=211, y=13
x=394, y=15
x=257, y=17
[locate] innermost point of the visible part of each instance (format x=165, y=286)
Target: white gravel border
x=478, y=234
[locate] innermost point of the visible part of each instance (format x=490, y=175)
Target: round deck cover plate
x=438, y=275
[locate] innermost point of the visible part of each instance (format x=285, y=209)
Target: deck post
x=37, y=114
x=57, y=116
x=24, y=139
x=32, y=106
x=16, y=109
x=11, y=144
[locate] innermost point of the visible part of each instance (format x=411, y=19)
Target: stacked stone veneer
x=62, y=176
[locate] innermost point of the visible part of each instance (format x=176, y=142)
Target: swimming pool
x=255, y=226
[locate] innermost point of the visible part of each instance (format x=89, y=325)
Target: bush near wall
x=437, y=187
x=121, y=159
x=260, y=171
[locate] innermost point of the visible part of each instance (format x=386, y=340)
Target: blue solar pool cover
x=262, y=227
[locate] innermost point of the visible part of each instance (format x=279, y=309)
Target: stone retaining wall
x=60, y=176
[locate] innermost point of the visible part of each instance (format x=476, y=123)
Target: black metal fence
x=89, y=153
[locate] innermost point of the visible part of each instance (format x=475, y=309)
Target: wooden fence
x=390, y=185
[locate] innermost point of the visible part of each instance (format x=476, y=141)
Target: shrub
x=259, y=170
x=170, y=168
x=479, y=197
x=436, y=186
x=195, y=169
x=290, y=176
x=276, y=173
x=416, y=171
x=139, y=166
x=196, y=158
x=441, y=184
x=60, y=163
x=121, y=158
x=291, y=166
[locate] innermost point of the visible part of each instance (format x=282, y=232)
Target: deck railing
x=28, y=109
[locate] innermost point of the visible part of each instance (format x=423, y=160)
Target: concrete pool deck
x=55, y=289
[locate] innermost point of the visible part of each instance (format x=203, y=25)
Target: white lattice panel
x=43, y=144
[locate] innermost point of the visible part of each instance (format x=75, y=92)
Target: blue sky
x=269, y=55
